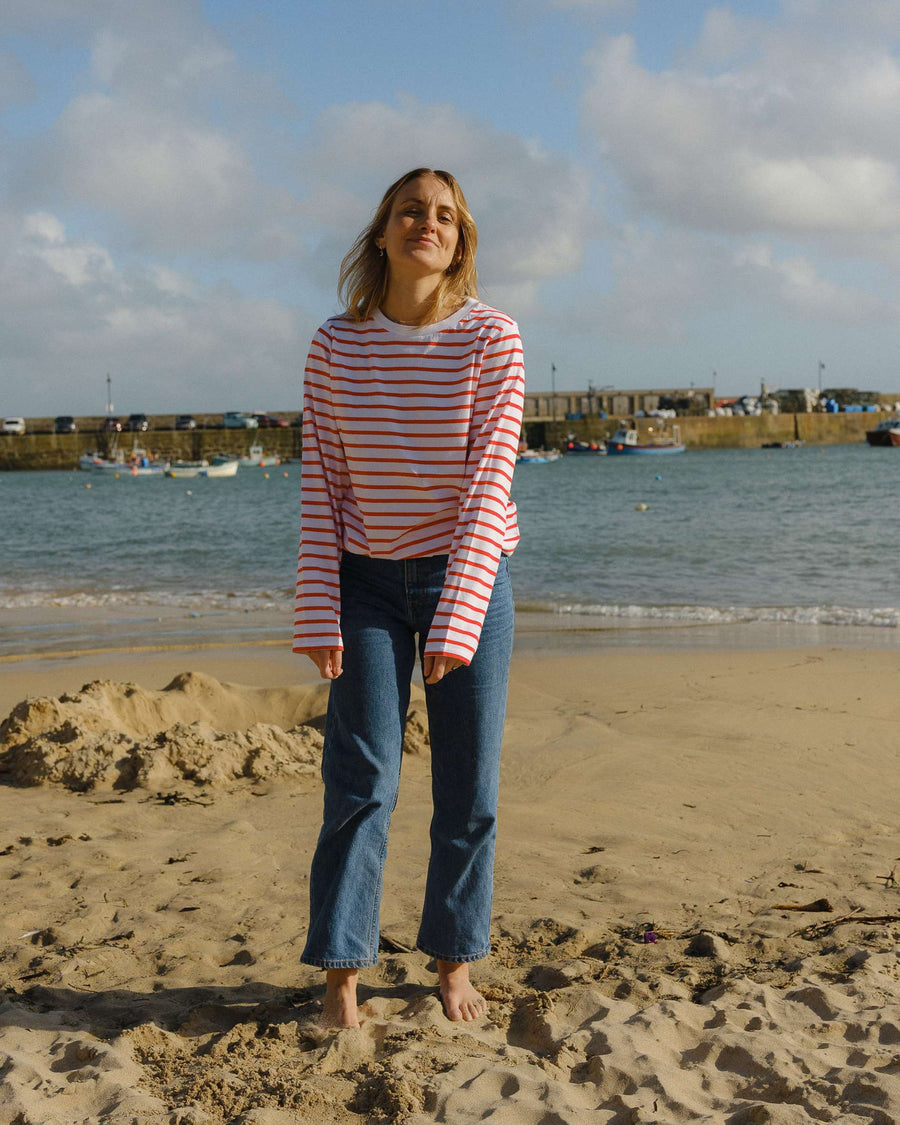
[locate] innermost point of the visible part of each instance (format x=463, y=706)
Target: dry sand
x=155, y=899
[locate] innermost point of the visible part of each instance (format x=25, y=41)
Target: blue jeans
x=385, y=604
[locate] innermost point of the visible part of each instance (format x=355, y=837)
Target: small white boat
x=190, y=469
x=256, y=458
x=227, y=469
x=537, y=456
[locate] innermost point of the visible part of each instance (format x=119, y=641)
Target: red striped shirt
x=409, y=445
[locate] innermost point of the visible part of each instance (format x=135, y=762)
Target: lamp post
x=553, y=390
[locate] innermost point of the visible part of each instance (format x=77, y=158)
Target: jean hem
x=333, y=963
x=459, y=958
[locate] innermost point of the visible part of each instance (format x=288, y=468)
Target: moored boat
x=627, y=440
x=256, y=457
x=885, y=433
x=190, y=469
x=537, y=456
x=137, y=463
x=574, y=446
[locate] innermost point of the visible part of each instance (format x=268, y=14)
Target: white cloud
x=797, y=137
x=795, y=284
x=75, y=264
x=157, y=138
x=68, y=315
x=532, y=206
x=173, y=182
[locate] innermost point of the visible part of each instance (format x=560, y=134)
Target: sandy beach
x=696, y=911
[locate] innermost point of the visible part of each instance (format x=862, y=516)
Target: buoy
x=87, y=485
x=266, y=475
x=284, y=474
x=188, y=492
x=116, y=475
x=658, y=477
x=641, y=507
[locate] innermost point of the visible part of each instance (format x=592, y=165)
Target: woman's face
x=421, y=235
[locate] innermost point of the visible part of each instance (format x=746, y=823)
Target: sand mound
x=120, y=736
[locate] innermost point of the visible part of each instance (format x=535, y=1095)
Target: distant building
x=547, y=406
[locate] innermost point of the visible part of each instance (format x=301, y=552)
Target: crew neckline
x=413, y=330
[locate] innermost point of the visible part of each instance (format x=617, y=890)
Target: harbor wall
x=61, y=451
x=718, y=433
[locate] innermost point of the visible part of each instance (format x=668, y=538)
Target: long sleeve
x=482, y=531
x=317, y=604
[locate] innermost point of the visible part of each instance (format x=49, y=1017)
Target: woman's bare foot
x=339, y=1009
x=461, y=999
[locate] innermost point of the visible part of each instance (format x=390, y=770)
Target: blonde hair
x=365, y=274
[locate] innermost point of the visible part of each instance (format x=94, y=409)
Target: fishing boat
x=574, y=446
x=256, y=458
x=116, y=462
x=537, y=456
x=885, y=433
x=191, y=469
x=626, y=440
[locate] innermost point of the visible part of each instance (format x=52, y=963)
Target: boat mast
x=113, y=441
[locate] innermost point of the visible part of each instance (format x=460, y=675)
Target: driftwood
x=820, y=906
x=854, y=916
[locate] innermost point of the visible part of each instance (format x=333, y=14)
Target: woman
x=412, y=412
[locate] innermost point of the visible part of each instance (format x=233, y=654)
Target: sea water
x=804, y=536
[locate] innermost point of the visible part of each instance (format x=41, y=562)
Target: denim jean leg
x=360, y=766
x=466, y=716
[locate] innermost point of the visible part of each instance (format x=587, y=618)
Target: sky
x=667, y=192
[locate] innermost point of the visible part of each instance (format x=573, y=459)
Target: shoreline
x=78, y=644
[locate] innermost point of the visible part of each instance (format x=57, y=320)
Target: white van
x=13, y=426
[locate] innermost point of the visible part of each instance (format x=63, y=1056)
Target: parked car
x=185, y=422
x=138, y=423
x=270, y=421
x=64, y=424
x=111, y=426
x=13, y=426
x=238, y=420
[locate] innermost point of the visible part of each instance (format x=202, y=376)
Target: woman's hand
x=436, y=667
x=329, y=661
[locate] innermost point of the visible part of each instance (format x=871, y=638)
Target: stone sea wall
x=720, y=433
x=61, y=451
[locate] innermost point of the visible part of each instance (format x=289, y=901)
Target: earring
x=380, y=251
